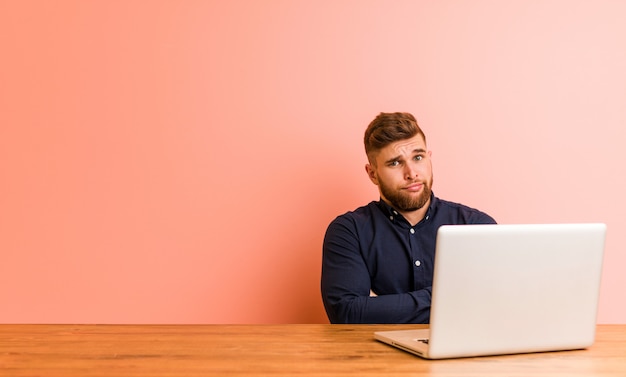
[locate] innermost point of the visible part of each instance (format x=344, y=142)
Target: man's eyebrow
x=399, y=157
x=393, y=159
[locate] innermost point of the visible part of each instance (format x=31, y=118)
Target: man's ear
x=371, y=173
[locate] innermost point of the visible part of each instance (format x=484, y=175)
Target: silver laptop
x=502, y=289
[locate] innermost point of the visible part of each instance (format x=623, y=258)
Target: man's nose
x=410, y=172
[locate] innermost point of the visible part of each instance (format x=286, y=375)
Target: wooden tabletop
x=262, y=350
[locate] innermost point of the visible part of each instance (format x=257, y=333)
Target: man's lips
x=414, y=187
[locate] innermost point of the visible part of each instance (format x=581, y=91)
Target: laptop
x=505, y=289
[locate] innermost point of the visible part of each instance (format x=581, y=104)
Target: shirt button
x=390, y=217
x=418, y=263
x=412, y=231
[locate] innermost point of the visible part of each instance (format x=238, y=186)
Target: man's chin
x=412, y=206
x=408, y=203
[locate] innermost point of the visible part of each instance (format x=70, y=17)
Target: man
x=378, y=259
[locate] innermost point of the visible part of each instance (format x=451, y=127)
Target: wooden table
x=260, y=350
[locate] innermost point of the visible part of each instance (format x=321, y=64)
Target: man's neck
x=414, y=217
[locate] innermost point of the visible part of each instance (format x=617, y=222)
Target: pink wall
x=179, y=161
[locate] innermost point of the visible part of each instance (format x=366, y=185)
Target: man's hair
x=387, y=128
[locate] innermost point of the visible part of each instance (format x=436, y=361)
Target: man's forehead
x=405, y=147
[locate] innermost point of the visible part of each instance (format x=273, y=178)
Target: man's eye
x=394, y=163
x=419, y=158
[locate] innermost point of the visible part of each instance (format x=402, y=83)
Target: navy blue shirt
x=375, y=248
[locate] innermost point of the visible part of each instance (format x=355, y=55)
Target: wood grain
x=262, y=350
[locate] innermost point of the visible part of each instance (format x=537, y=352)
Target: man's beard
x=405, y=202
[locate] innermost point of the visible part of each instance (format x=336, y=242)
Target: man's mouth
x=414, y=187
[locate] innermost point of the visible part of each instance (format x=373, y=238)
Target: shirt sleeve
x=346, y=285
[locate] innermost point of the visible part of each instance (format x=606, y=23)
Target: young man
x=378, y=260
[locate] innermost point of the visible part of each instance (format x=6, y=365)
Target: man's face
x=403, y=173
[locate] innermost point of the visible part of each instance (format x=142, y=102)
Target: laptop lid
x=502, y=289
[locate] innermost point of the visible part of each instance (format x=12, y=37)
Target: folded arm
x=347, y=290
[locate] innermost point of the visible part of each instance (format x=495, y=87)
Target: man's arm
x=347, y=291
